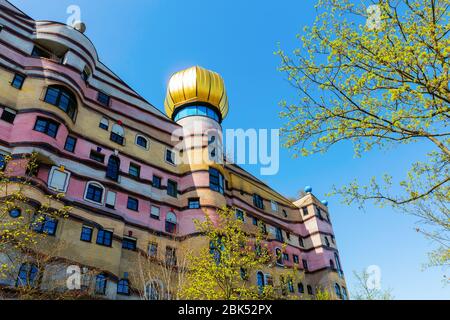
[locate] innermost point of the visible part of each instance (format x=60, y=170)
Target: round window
x=15, y=213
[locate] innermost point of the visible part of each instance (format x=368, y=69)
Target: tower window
x=201, y=111
x=18, y=81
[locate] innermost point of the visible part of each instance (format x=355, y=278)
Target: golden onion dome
x=194, y=85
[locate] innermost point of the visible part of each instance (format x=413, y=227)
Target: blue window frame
x=46, y=126
x=45, y=224
x=100, y=284
x=104, y=238
x=123, y=287
x=63, y=99
x=70, y=144
x=18, y=81
x=15, y=213
x=216, y=180
x=28, y=275
x=129, y=244
x=86, y=234
x=94, y=193
x=133, y=204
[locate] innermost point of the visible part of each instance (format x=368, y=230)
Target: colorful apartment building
x=117, y=158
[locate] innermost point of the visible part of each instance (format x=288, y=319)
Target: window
x=301, y=242
x=45, y=224
x=327, y=242
x=63, y=99
x=216, y=180
x=171, y=256
x=279, y=234
x=338, y=264
x=285, y=213
x=18, y=81
x=300, y=287
x=104, y=238
x=254, y=221
x=2, y=161
x=288, y=236
x=274, y=206
x=28, y=275
x=290, y=285
x=46, y=126
x=285, y=257
x=134, y=170
x=86, y=73
x=258, y=201
x=153, y=291
x=344, y=294
x=244, y=274
x=103, y=98
x=94, y=192
x=305, y=211
x=104, y=124
x=171, y=222
x=123, y=287
x=111, y=199
x=172, y=188
x=58, y=179
x=142, y=142
x=133, y=204
x=295, y=259
x=194, y=203
x=8, y=115
x=279, y=256
x=337, y=290
x=129, y=244
x=100, y=284
x=15, y=213
x=86, y=234
x=240, y=214
x=112, y=171
x=156, y=182
x=97, y=156
x=318, y=212
x=191, y=111
x=260, y=282
x=117, y=134
x=70, y=144
x=305, y=264
x=310, y=290
x=39, y=52
x=170, y=156
x=332, y=266
x=155, y=212
x=153, y=250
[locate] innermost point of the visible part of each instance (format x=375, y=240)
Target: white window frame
x=98, y=185
x=147, y=139
x=51, y=175
x=105, y=121
x=174, y=157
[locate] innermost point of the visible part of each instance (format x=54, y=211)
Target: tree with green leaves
x=378, y=76
x=366, y=290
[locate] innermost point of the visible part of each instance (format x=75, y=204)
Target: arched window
x=117, y=134
x=260, y=281
x=123, y=287
x=28, y=275
x=142, y=142
x=112, y=171
x=337, y=289
x=94, y=192
x=100, y=284
x=153, y=291
x=171, y=222
x=63, y=99
x=279, y=256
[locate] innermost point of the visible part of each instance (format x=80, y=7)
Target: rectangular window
x=216, y=180
x=134, y=170
x=111, y=199
x=2, y=161
x=194, y=203
x=94, y=193
x=305, y=264
x=255, y=221
x=129, y=244
x=153, y=250
x=103, y=98
x=258, y=201
x=104, y=238
x=274, y=206
x=305, y=211
x=171, y=256
x=86, y=234
x=97, y=156
x=295, y=258
x=240, y=214
x=279, y=234
x=318, y=212
x=155, y=212
x=8, y=115
x=300, y=241
x=285, y=257
x=133, y=204
x=156, y=182
x=45, y=224
x=46, y=126
x=170, y=156
x=18, y=81
x=172, y=188
x=58, y=179
x=70, y=144
x=117, y=138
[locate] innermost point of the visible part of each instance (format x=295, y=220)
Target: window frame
x=83, y=228
x=97, y=185
x=137, y=169
x=8, y=115
x=18, y=75
x=123, y=284
x=173, y=190
x=132, y=200
x=258, y=201
x=101, y=236
x=172, y=160
x=195, y=201
x=75, y=140
x=219, y=185
x=139, y=136
x=48, y=123
x=106, y=102
x=51, y=175
x=159, y=179
x=129, y=240
x=72, y=104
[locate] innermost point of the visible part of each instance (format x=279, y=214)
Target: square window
x=104, y=238
x=86, y=234
x=194, y=203
x=132, y=204
x=155, y=212
x=58, y=179
x=172, y=188
x=103, y=98
x=8, y=115
x=18, y=81
x=117, y=138
x=156, y=182
x=70, y=144
x=129, y=244
x=134, y=170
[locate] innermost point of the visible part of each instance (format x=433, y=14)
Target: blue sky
x=145, y=41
